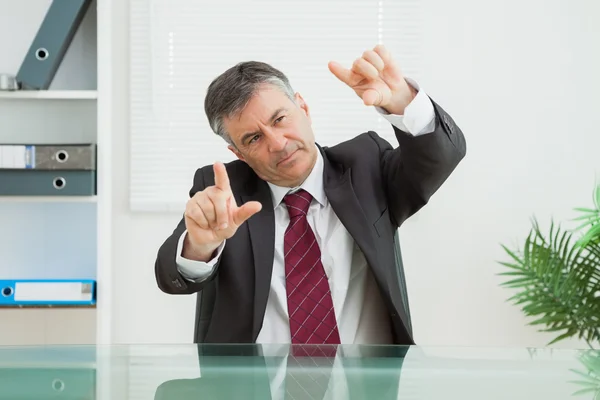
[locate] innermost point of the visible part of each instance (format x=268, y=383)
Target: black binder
x=51, y=43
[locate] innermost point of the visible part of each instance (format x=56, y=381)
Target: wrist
x=198, y=252
x=398, y=103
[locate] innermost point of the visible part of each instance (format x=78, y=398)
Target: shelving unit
x=50, y=237
x=48, y=199
x=50, y=94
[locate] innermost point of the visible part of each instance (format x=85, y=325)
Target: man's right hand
x=212, y=216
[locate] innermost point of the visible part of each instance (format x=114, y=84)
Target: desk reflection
x=180, y=372
x=388, y=372
x=291, y=372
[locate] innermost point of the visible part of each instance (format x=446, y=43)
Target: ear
x=236, y=152
x=303, y=106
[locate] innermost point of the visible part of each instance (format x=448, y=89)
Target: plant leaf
x=556, y=282
x=565, y=335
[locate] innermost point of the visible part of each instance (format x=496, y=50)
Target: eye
x=279, y=119
x=253, y=139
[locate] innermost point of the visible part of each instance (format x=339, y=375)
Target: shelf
x=48, y=307
x=48, y=199
x=50, y=94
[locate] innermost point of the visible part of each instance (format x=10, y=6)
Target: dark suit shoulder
x=364, y=149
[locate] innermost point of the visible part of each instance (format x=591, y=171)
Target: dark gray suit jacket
x=372, y=187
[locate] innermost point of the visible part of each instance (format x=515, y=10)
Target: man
x=293, y=242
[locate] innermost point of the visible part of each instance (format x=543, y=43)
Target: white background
x=520, y=79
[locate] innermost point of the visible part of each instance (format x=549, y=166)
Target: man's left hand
x=377, y=80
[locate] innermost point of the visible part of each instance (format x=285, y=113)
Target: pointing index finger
x=221, y=177
x=343, y=74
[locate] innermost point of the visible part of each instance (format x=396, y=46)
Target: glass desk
x=183, y=372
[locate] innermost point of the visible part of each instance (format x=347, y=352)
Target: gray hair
x=230, y=92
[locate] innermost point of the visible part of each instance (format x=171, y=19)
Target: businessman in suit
x=294, y=242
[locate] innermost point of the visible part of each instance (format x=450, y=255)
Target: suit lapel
x=262, y=238
x=341, y=195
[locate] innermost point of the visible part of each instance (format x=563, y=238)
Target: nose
x=277, y=142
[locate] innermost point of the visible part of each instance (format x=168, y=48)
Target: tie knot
x=297, y=203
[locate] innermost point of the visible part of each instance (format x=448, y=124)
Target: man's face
x=273, y=135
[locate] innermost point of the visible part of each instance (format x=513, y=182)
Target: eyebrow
x=249, y=135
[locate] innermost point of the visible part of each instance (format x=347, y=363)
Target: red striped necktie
x=310, y=306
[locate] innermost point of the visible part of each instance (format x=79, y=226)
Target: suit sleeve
x=193, y=270
x=418, y=167
x=167, y=272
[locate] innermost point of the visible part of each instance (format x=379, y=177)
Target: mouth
x=282, y=161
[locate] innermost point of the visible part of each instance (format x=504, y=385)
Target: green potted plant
x=556, y=277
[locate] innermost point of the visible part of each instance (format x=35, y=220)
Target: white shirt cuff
x=195, y=270
x=419, y=115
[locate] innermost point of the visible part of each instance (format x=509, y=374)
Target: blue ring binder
x=22, y=292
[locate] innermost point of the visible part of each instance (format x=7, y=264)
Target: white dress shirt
x=361, y=316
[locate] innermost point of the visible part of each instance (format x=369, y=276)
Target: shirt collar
x=313, y=185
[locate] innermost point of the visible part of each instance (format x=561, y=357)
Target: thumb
x=246, y=211
x=371, y=97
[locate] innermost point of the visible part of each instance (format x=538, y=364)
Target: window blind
x=177, y=47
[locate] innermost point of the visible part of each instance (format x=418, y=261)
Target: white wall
x=141, y=313
x=519, y=78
